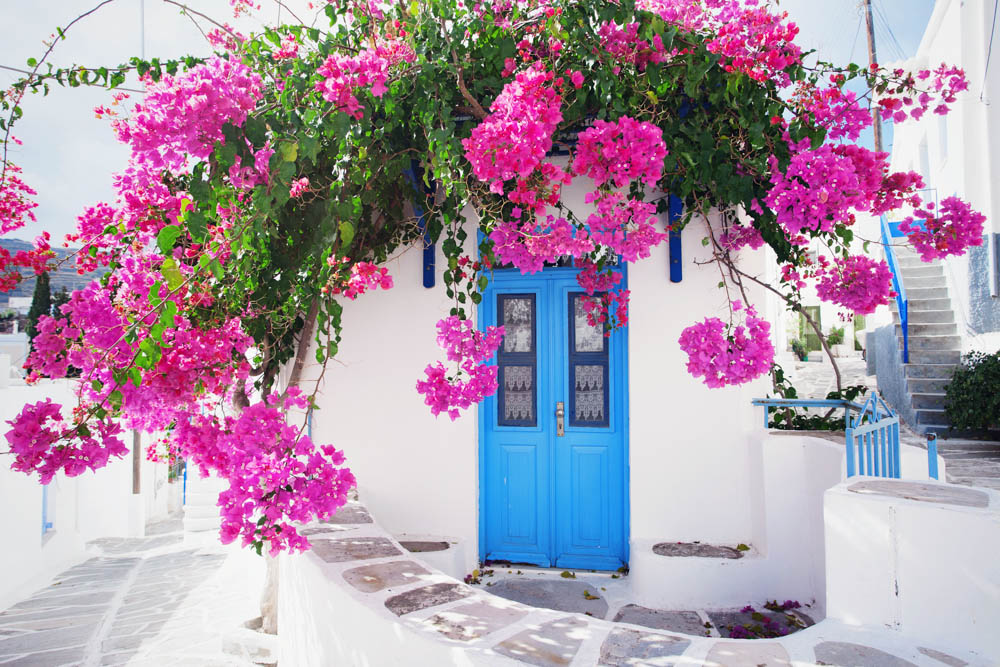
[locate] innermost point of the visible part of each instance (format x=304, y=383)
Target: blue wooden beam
x=676, y=270
x=430, y=255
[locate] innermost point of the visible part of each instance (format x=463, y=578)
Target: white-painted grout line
x=92, y=652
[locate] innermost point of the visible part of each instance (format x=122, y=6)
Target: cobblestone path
x=146, y=601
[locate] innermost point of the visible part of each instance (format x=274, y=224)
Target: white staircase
x=934, y=344
x=201, y=511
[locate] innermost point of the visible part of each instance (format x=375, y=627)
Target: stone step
x=927, y=385
x=922, y=282
x=933, y=401
x=932, y=342
x=935, y=329
x=908, y=262
x=920, y=270
x=929, y=370
x=201, y=512
x=926, y=293
x=201, y=525
x=940, y=430
x=195, y=498
x=930, y=317
x=932, y=417
x=925, y=356
x=943, y=303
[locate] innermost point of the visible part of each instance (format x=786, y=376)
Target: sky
x=68, y=155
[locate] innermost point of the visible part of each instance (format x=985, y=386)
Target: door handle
x=560, y=419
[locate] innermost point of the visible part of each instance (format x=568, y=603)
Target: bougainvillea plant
x=271, y=177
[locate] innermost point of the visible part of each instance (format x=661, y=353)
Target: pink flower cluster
x=833, y=108
x=341, y=75
x=608, y=310
x=753, y=40
x=289, y=48
x=949, y=231
x=474, y=380
x=626, y=226
x=821, y=187
x=623, y=151
x=856, y=282
x=515, y=137
x=737, y=237
x=15, y=207
x=728, y=355
x=361, y=277
x=183, y=115
x=941, y=87
x=41, y=441
x=277, y=477
x=624, y=45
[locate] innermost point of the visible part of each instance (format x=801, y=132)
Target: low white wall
x=82, y=508
x=924, y=569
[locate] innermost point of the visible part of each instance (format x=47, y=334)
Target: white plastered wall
x=688, y=444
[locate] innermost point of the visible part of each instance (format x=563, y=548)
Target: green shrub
x=800, y=349
x=836, y=336
x=973, y=397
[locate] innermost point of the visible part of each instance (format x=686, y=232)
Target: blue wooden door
x=551, y=496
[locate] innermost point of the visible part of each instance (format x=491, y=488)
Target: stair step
x=200, y=525
x=908, y=261
x=922, y=282
x=201, y=512
x=925, y=356
x=944, y=343
x=940, y=430
x=939, y=371
x=927, y=385
x=932, y=416
x=933, y=401
x=930, y=317
x=934, y=329
x=926, y=293
x=942, y=303
x=920, y=270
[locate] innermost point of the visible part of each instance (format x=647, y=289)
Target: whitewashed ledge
x=359, y=599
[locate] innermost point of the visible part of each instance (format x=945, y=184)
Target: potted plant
x=800, y=349
x=836, y=339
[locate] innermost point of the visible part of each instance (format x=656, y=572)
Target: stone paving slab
x=695, y=550
x=372, y=578
x=944, y=658
x=748, y=654
x=475, y=620
x=346, y=549
x=351, y=513
x=426, y=596
x=553, y=643
x=417, y=546
x=725, y=620
x=687, y=622
x=569, y=596
x=929, y=493
x=846, y=654
x=632, y=648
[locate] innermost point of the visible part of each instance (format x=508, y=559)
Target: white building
x=953, y=304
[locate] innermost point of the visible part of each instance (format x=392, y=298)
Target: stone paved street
x=145, y=601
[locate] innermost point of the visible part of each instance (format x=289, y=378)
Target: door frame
x=502, y=275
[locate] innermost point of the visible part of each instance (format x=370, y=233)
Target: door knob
x=560, y=419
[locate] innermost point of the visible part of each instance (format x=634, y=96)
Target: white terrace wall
x=688, y=444
x=82, y=508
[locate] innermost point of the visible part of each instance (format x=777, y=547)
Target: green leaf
x=216, y=268
x=289, y=151
x=32, y=62
x=168, y=313
x=167, y=237
x=172, y=273
x=346, y=233
x=197, y=225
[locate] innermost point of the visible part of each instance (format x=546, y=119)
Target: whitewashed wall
x=958, y=154
x=82, y=508
x=419, y=475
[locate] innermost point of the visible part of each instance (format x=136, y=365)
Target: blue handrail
x=902, y=303
x=871, y=436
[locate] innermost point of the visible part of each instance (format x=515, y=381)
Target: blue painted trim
x=676, y=265
x=430, y=255
x=902, y=303
x=932, y=452
x=46, y=524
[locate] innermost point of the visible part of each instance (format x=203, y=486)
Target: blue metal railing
x=872, y=435
x=873, y=440
x=902, y=303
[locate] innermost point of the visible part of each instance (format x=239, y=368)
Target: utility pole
x=873, y=59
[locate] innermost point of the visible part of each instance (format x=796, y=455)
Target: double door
x=553, y=472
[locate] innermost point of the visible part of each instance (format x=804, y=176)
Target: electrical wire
x=989, y=51
x=887, y=27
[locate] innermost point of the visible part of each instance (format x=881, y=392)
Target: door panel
x=549, y=499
